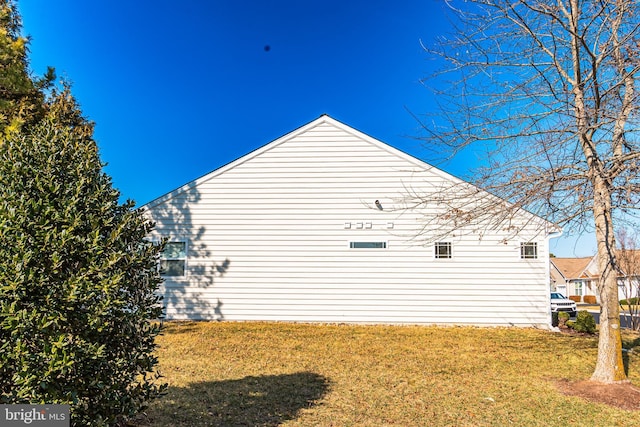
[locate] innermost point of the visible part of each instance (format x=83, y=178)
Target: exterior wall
x=268, y=238
x=588, y=286
x=582, y=288
x=628, y=287
x=561, y=287
x=557, y=281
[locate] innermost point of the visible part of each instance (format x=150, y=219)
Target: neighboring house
x=574, y=276
x=312, y=227
x=580, y=276
x=629, y=279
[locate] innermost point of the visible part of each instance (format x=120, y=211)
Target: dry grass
x=270, y=374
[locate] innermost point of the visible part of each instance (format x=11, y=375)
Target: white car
x=561, y=303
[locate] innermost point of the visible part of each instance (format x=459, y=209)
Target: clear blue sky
x=178, y=89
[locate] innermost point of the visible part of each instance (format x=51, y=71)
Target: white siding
x=267, y=240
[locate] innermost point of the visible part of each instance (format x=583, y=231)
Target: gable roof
x=322, y=120
x=326, y=120
x=573, y=268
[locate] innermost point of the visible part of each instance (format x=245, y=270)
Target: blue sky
x=178, y=89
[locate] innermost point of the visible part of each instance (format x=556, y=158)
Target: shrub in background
x=630, y=301
x=575, y=298
x=585, y=322
x=589, y=299
x=77, y=277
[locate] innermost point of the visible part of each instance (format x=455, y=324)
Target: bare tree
x=629, y=274
x=546, y=89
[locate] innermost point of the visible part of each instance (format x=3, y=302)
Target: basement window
x=528, y=250
x=368, y=245
x=173, y=259
x=443, y=250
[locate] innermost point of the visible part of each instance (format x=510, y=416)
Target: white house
x=312, y=227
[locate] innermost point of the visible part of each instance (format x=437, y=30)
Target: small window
x=368, y=245
x=443, y=250
x=529, y=250
x=173, y=259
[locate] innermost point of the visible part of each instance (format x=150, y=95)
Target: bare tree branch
x=547, y=89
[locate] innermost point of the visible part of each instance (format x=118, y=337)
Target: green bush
x=630, y=301
x=585, y=322
x=77, y=277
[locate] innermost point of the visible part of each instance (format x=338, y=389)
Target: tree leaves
x=77, y=278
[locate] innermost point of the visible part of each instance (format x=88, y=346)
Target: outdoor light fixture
x=378, y=204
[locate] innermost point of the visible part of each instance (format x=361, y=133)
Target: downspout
x=551, y=235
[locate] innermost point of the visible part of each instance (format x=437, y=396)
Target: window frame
x=525, y=247
x=443, y=250
x=579, y=288
x=182, y=258
x=359, y=244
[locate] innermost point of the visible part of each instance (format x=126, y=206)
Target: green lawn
x=270, y=374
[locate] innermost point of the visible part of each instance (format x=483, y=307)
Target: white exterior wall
x=267, y=240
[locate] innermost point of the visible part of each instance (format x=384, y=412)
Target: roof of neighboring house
x=573, y=268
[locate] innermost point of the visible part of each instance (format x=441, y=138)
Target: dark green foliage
x=77, y=278
x=630, y=301
x=585, y=322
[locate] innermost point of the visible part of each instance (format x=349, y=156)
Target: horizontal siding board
x=340, y=270
x=460, y=291
x=487, y=293
x=280, y=175
x=364, y=264
x=276, y=221
x=380, y=304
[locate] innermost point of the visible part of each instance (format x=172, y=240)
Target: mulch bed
x=620, y=395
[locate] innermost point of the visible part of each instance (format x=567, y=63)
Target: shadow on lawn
x=265, y=401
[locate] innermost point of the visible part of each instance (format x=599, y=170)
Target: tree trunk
x=609, y=365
